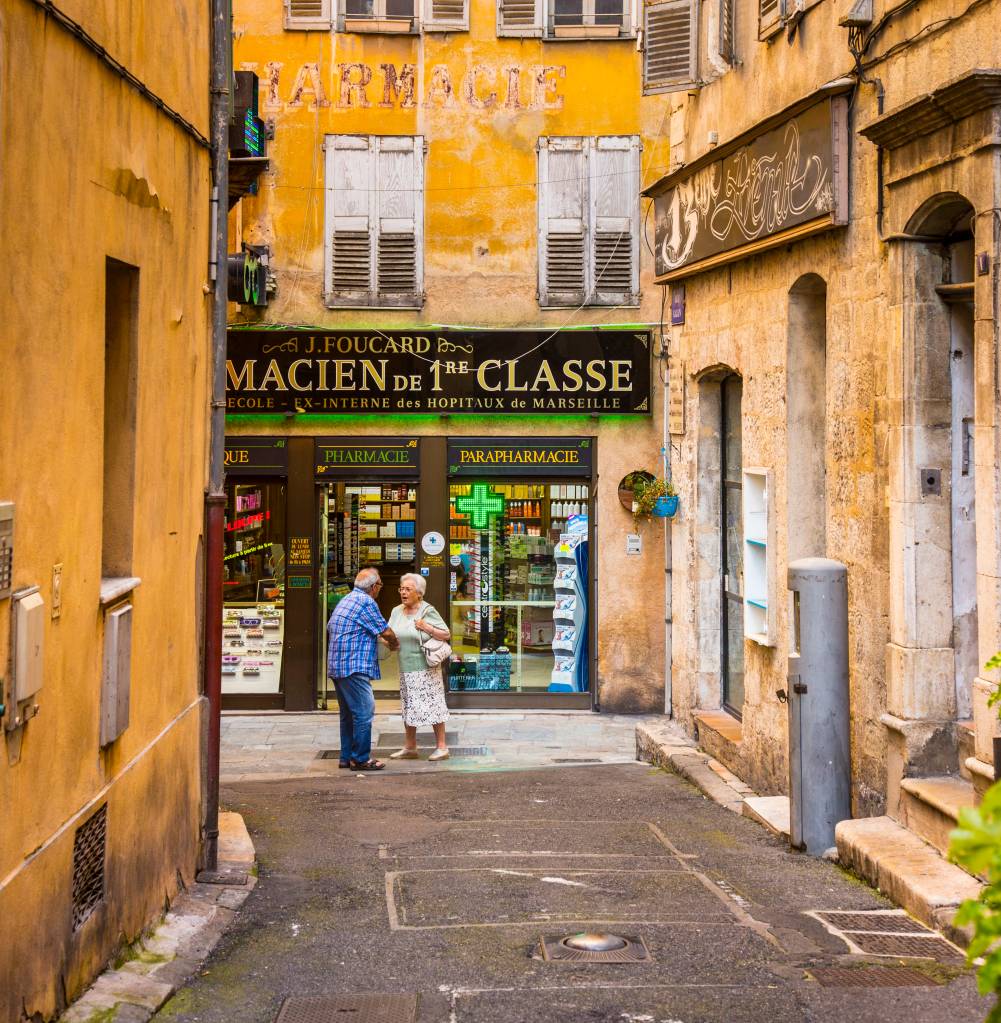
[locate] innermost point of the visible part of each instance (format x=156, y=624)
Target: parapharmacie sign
x=451, y=372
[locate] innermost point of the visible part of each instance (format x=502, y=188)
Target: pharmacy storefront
x=472, y=458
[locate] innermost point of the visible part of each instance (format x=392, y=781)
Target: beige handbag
x=436, y=651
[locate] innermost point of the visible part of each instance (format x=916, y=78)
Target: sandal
x=405, y=754
x=439, y=754
x=369, y=765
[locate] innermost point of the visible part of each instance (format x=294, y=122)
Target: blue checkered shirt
x=351, y=636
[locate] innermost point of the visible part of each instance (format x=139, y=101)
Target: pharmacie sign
x=349, y=456
x=542, y=456
x=256, y=456
x=446, y=372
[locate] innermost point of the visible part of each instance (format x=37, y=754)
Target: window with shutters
x=566, y=19
x=374, y=221
x=670, y=48
x=589, y=221
x=307, y=15
x=727, y=27
x=770, y=14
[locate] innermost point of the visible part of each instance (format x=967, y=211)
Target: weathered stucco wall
x=739, y=317
x=95, y=171
x=481, y=103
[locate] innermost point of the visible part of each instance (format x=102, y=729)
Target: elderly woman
x=422, y=689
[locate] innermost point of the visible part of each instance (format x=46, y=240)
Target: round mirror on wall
x=628, y=484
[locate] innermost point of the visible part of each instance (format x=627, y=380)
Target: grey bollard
x=819, y=756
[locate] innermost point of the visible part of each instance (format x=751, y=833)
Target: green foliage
x=645, y=494
x=976, y=846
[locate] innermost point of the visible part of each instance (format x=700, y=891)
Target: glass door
x=363, y=525
x=732, y=544
x=519, y=586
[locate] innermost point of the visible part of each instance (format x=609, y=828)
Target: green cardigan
x=411, y=655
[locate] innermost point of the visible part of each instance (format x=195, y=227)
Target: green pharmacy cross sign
x=480, y=505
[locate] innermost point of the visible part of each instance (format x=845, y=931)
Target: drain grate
x=576, y=760
x=871, y=976
x=423, y=741
x=557, y=950
x=360, y=1008
x=384, y=751
x=88, y=866
x=888, y=922
x=913, y=945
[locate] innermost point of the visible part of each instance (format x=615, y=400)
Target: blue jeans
x=356, y=705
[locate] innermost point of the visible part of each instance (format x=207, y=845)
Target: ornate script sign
x=423, y=370
x=786, y=182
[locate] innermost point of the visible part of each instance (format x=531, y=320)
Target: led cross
x=480, y=505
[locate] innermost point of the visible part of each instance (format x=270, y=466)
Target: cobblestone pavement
x=261, y=747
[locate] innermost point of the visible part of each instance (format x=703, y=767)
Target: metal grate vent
x=576, y=760
x=907, y=945
x=551, y=950
x=423, y=741
x=381, y=751
x=89, y=846
x=360, y=1008
x=871, y=976
x=892, y=922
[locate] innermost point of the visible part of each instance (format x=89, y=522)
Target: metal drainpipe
x=215, y=498
x=668, y=616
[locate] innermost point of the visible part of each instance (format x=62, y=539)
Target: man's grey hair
x=419, y=583
x=367, y=578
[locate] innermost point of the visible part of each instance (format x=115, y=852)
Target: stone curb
x=169, y=956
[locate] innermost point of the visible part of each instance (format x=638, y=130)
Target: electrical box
x=116, y=678
x=6, y=547
x=28, y=645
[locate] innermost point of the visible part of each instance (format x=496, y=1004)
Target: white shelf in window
x=759, y=570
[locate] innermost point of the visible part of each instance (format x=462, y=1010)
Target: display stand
x=570, y=641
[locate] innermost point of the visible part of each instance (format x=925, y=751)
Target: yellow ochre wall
x=92, y=170
x=480, y=223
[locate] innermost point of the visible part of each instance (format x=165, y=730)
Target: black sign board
x=786, y=181
x=256, y=456
x=520, y=456
x=448, y=372
x=368, y=457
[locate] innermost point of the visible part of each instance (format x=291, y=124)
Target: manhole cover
x=362, y=1008
x=913, y=945
x=577, y=948
x=384, y=751
x=871, y=976
x=891, y=922
x=423, y=741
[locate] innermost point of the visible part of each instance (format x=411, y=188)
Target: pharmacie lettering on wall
x=509, y=372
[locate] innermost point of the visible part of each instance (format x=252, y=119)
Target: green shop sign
x=543, y=456
x=351, y=456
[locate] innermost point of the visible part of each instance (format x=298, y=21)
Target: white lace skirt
x=422, y=694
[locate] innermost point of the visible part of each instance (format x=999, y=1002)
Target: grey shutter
x=446, y=16
x=769, y=14
x=349, y=220
x=727, y=46
x=400, y=220
x=614, y=180
x=520, y=17
x=563, y=234
x=307, y=14
x=670, y=51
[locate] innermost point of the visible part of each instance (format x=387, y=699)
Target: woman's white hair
x=419, y=583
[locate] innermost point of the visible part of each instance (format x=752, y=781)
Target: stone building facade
x=848, y=351
x=104, y=349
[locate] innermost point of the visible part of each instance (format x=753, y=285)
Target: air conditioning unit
x=860, y=15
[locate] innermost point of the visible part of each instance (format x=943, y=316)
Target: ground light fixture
x=592, y=947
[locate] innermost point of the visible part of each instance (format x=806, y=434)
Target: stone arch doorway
x=933, y=656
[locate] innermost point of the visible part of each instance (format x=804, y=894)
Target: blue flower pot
x=665, y=507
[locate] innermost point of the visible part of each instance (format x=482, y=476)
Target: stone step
x=906, y=870
x=930, y=806
x=771, y=812
x=966, y=740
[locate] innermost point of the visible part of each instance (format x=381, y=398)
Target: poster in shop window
x=445, y=372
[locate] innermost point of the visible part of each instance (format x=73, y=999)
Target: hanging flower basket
x=665, y=507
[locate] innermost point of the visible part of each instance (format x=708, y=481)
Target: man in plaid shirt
x=352, y=633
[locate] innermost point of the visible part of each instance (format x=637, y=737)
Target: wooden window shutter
x=727, y=45
x=770, y=14
x=400, y=220
x=670, y=51
x=307, y=15
x=520, y=17
x=446, y=16
x=563, y=234
x=349, y=220
x=614, y=180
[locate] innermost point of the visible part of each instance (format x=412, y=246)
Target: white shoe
x=405, y=754
x=439, y=754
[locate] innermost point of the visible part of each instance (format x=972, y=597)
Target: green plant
x=976, y=846
x=646, y=493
